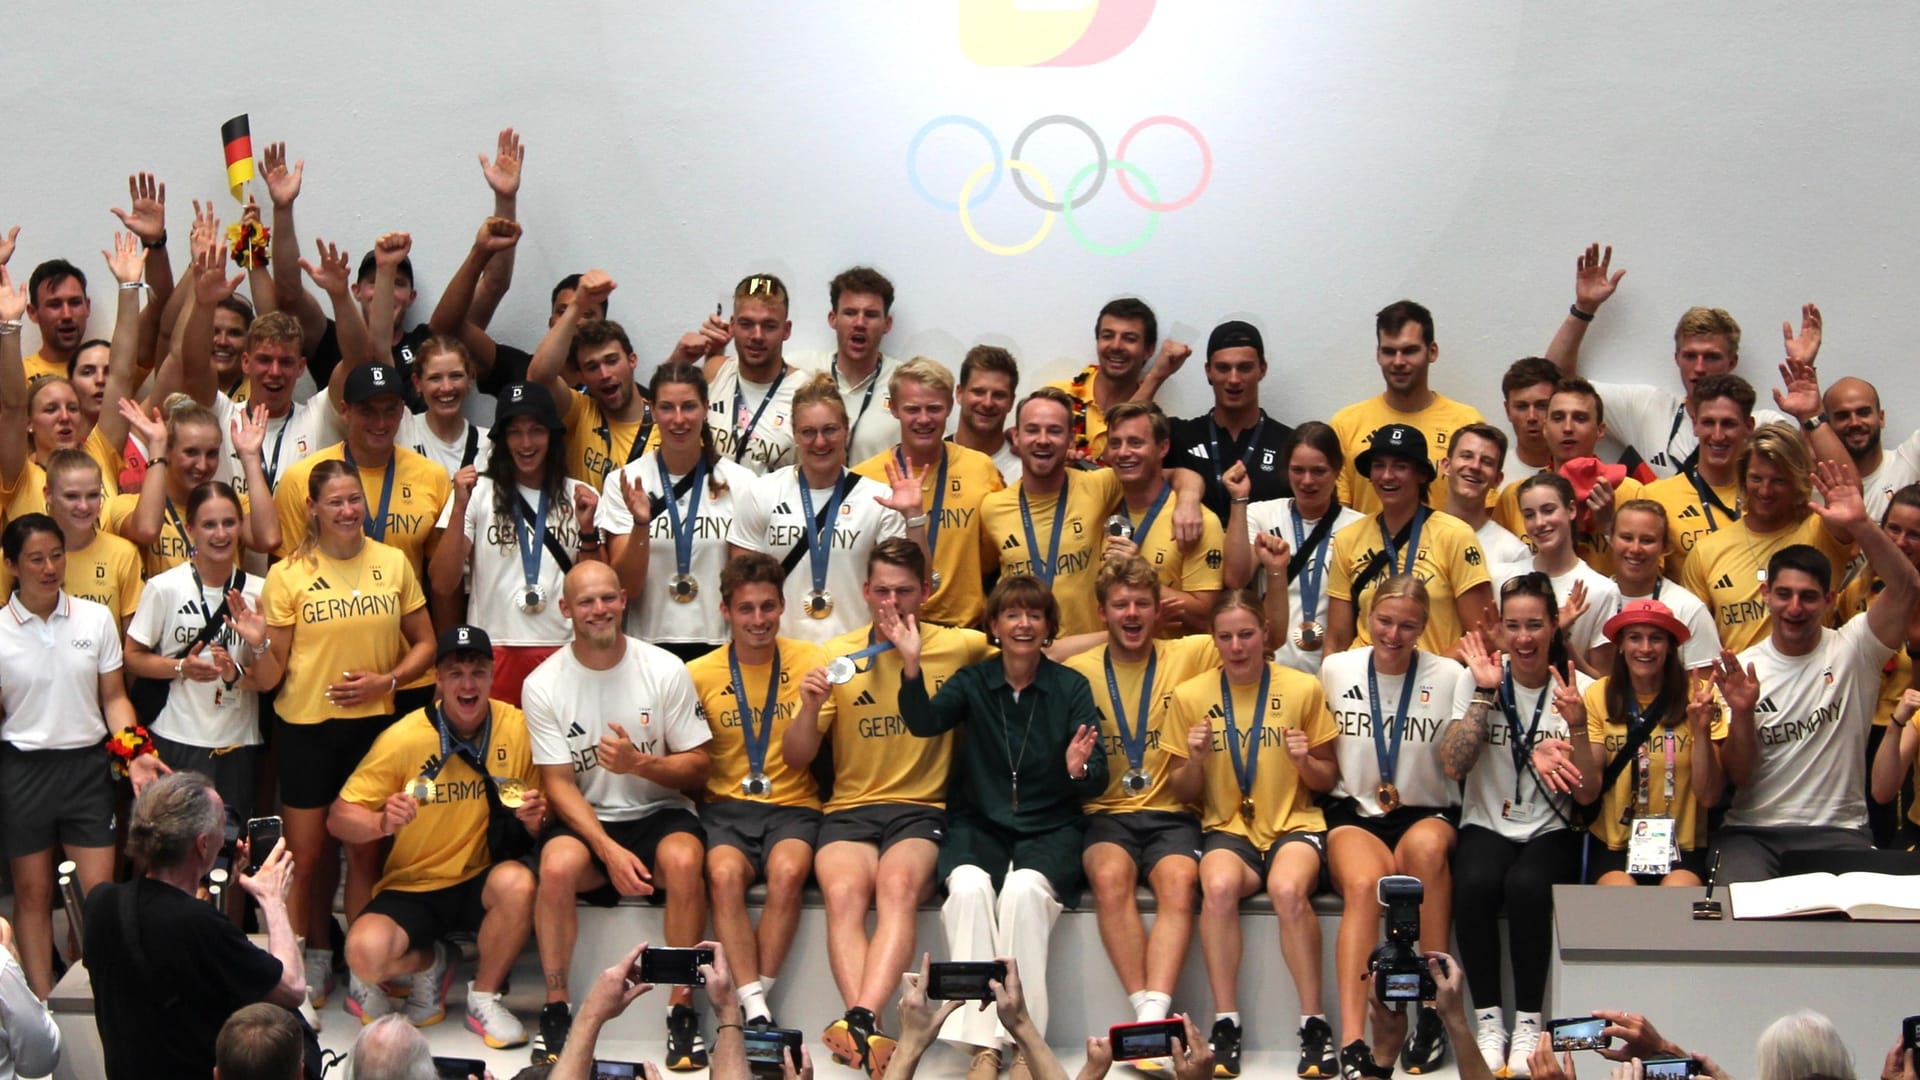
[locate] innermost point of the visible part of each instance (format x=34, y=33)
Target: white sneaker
x=1526, y=1038
x=366, y=1000
x=319, y=976
x=1491, y=1037
x=489, y=1017
x=427, y=1002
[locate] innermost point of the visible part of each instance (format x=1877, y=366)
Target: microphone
x=1709, y=908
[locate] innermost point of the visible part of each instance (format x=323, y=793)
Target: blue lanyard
x=1411, y=536
x=1246, y=456
x=529, y=541
x=939, y=495
x=449, y=744
x=1147, y=519
x=741, y=435
x=376, y=526
x=1384, y=752
x=874, y=648
x=1314, y=567
x=1044, y=568
x=1135, y=739
x=756, y=740
x=1245, y=774
x=1519, y=743
x=683, y=536
x=819, y=540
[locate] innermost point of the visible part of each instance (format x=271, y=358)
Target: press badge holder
x=1650, y=846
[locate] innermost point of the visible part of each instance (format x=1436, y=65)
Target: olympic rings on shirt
x=1085, y=184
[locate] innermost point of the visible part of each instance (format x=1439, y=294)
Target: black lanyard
x=1709, y=499
x=1520, y=743
x=743, y=435
x=1246, y=456
x=873, y=383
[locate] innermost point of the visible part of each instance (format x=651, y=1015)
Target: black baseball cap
x=463, y=639
x=1236, y=335
x=525, y=399
x=1399, y=441
x=369, y=381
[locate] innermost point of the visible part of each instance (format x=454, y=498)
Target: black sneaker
x=1225, y=1041
x=1426, y=1048
x=556, y=1019
x=686, y=1050
x=1317, y=1057
x=1356, y=1062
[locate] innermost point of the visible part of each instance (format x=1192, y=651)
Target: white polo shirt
x=169, y=619
x=648, y=693
x=654, y=615
x=50, y=673
x=770, y=518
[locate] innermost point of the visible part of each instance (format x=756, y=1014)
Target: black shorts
x=1389, y=827
x=431, y=914
x=641, y=836
x=883, y=825
x=317, y=759
x=753, y=828
x=50, y=797
x=1147, y=836
x=1261, y=863
x=1603, y=860
x=234, y=770
x=687, y=650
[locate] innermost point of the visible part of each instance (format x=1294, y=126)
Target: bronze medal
x=1309, y=636
x=1388, y=797
x=1246, y=809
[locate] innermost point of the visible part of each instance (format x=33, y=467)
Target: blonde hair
x=1404, y=586
x=819, y=390
x=1649, y=506
x=1780, y=444
x=925, y=371
x=1134, y=572
x=62, y=462
x=1708, y=322
x=324, y=473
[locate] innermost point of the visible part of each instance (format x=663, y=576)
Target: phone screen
x=963, y=980
x=1152, y=1039
x=453, y=1068
x=680, y=967
x=262, y=834
x=616, y=1070
x=1667, y=1068
x=1579, y=1033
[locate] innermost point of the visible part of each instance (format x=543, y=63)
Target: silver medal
x=683, y=588
x=757, y=786
x=1135, y=781
x=840, y=670
x=533, y=599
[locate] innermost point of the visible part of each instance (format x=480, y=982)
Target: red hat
x=1647, y=613
x=1583, y=472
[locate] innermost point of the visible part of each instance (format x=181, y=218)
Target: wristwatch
x=1813, y=422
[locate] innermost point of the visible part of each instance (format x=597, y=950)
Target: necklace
x=354, y=561
x=1006, y=741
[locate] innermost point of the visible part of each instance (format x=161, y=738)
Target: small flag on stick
x=238, y=139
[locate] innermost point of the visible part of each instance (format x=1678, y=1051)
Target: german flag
x=238, y=139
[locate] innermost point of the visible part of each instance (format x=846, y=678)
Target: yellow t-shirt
x=1728, y=568
x=1089, y=421
x=713, y=681
x=1449, y=563
x=1197, y=571
x=28, y=494
x=344, y=616
x=1090, y=498
x=1281, y=802
x=1356, y=424
x=596, y=447
x=106, y=571
x=39, y=366
x=169, y=549
x=1689, y=518
x=446, y=843
x=1593, y=548
x=875, y=758
x=421, y=488
x=1177, y=660
x=1690, y=818
x=971, y=476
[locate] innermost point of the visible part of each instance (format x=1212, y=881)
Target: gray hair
x=390, y=1049
x=170, y=814
x=1801, y=1045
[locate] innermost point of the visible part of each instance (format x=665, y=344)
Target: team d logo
x=517, y=393
x=464, y=636
x=379, y=376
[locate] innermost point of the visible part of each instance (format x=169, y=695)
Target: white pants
x=981, y=926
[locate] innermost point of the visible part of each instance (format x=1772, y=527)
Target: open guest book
x=1858, y=895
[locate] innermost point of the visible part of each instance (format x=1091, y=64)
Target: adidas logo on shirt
x=865, y=698
x=1725, y=582
x=1766, y=706
x=575, y=731
x=1353, y=694
x=1690, y=512
x=782, y=509
x=319, y=585
x=1216, y=713
x=1012, y=542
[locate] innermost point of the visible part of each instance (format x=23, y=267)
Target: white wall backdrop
x=1749, y=156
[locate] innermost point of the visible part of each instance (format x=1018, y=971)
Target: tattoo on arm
x=1461, y=746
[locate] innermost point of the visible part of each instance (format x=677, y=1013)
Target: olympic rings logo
x=981, y=183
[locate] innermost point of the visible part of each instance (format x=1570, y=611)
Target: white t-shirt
x=1813, y=717
x=289, y=438
x=450, y=456
x=770, y=445
x=50, y=673
x=874, y=429
x=654, y=615
x=1507, y=555
x=1442, y=691
x=1490, y=800
x=495, y=571
x=648, y=693
x=1653, y=420
x=1009, y=463
x=769, y=517
x=1899, y=466
x=1603, y=598
x=1515, y=469
x=1703, y=634
x=1275, y=516
x=169, y=619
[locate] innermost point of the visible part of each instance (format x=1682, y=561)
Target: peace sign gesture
x=1567, y=699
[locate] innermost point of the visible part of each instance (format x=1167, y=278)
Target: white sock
x=766, y=985
x=1233, y=1016
x=1137, y=1001
x=1524, y=1018
x=1304, y=1017
x=753, y=1001
x=1484, y=1017
x=1152, y=1005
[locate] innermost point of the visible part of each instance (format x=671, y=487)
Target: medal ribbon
x=1245, y=775
x=756, y=740
x=529, y=541
x=1044, y=568
x=873, y=649
x=1135, y=739
x=1408, y=540
x=819, y=536
x=1313, y=567
x=475, y=752
x=376, y=526
x=1246, y=456
x=1386, y=752
x=1152, y=515
x=683, y=535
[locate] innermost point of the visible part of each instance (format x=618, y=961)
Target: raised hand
x=391, y=248
x=13, y=301
x=250, y=213
x=463, y=482
x=245, y=619
x=147, y=425
x=1482, y=663
x=903, y=498
x=1275, y=556
x=594, y=288
x=1199, y=739
x=902, y=630
x=1081, y=748
x=1576, y=604
x=503, y=172
x=1173, y=355
x=330, y=276
x=283, y=183
x=1702, y=710
x=814, y=688
x=1798, y=394
x=1842, y=507
x=1238, y=484
x=205, y=230
x=1568, y=701
x=148, y=217
x=1592, y=285
x=1803, y=350
x=586, y=505
x=1739, y=687
x=7, y=241
x=497, y=234
x=210, y=282
x=639, y=506
x=250, y=431
x=127, y=261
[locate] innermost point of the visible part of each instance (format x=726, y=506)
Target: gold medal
x=513, y=793
x=1388, y=797
x=819, y=604
x=421, y=789
x=1246, y=809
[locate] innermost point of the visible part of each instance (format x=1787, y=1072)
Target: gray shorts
x=234, y=770
x=1147, y=835
x=1261, y=863
x=753, y=828
x=884, y=825
x=50, y=797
